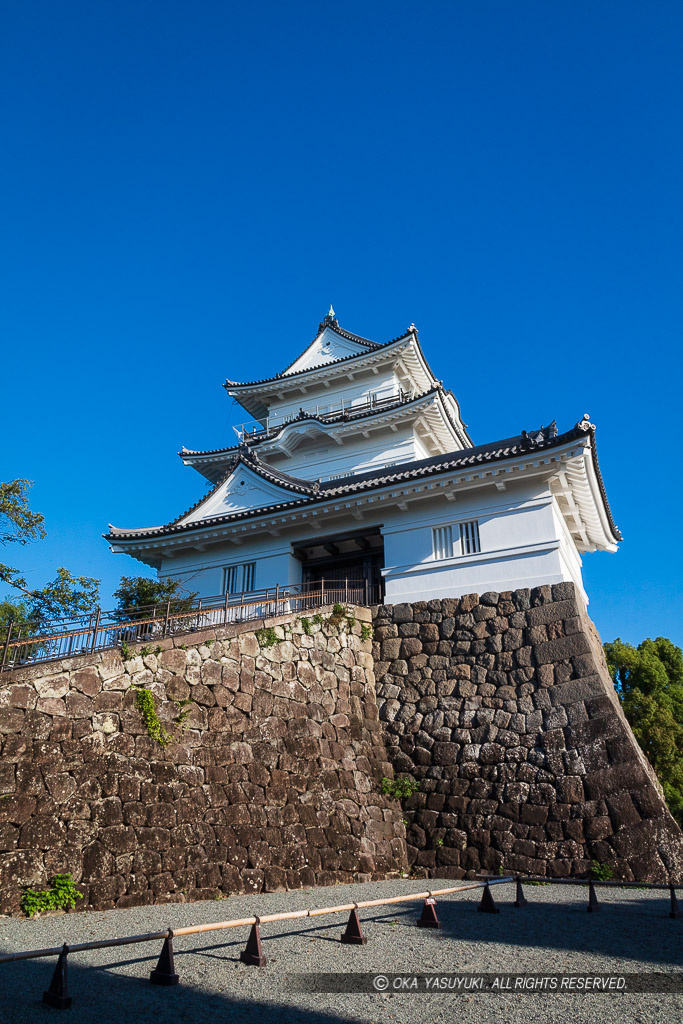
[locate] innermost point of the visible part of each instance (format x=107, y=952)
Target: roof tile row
x=310, y=492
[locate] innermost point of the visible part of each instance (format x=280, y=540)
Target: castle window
x=467, y=533
x=442, y=541
x=240, y=578
x=469, y=538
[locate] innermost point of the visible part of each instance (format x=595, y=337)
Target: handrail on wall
x=100, y=630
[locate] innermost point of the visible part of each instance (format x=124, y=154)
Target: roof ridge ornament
x=535, y=438
x=585, y=423
x=245, y=453
x=329, y=321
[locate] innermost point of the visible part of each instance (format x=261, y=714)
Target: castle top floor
x=342, y=372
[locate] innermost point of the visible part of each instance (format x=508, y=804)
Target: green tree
x=13, y=611
x=18, y=525
x=139, y=594
x=66, y=596
x=649, y=681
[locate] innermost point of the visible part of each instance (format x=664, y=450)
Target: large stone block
x=21, y=868
x=562, y=648
x=554, y=611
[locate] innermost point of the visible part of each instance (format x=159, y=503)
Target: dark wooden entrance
x=356, y=557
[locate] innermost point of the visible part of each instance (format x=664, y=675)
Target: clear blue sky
x=187, y=186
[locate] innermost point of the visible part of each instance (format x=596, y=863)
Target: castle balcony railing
x=256, y=431
x=27, y=644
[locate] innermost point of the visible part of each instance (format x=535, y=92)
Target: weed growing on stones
x=61, y=895
x=266, y=636
x=144, y=702
x=401, y=787
x=127, y=651
x=601, y=872
x=184, y=713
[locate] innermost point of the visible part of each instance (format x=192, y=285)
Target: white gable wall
x=243, y=490
x=326, y=348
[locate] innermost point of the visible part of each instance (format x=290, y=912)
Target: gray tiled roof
x=306, y=492
x=283, y=375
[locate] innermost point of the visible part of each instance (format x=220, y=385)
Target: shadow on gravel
x=103, y=997
x=630, y=930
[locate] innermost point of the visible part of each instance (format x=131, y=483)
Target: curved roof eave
x=610, y=527
x=498, y=451
x=284, y=379
x=276, y=435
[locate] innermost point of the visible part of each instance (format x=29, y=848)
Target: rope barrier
x=164, y=974
x=585, y=881
x=593, y=904
x=244, y=922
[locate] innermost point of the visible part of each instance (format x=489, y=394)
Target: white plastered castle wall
x=205, y=571
x=521, y=545
x=324, y=399
x=571, y=560
x=357, y=454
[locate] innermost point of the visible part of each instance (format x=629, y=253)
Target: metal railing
x=64, y=638
x=253, y=430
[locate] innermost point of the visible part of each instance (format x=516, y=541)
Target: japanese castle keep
x=357, y=466
x=457, y=652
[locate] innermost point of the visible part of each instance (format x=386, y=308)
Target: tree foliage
x=137, y=593
x=66, y=596
x=18, y=525
x=15, y=611
x=649, y=681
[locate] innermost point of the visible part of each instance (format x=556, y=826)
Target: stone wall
x=499, y=704
x=273, y=784
x=503, y=708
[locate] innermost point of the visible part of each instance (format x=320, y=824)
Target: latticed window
x=469, y=538
x=249, y=576
x=467, y=533
x=442, y=541
x=239, y=578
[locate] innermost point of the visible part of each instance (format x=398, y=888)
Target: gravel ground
x=633, y=933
